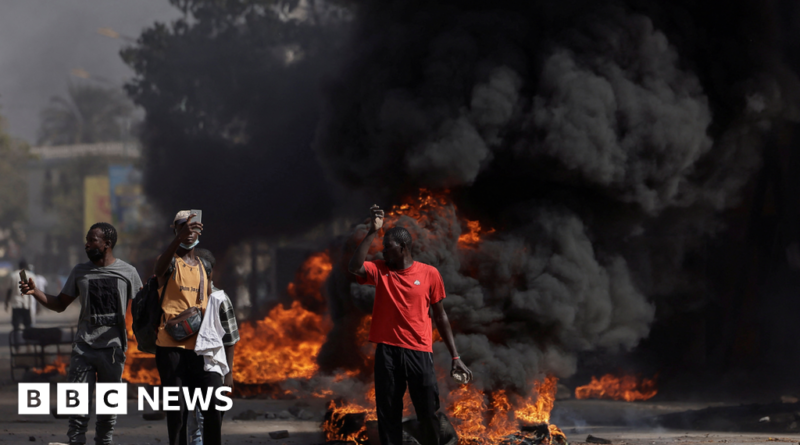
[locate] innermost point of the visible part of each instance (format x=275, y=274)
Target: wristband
x=456, y=358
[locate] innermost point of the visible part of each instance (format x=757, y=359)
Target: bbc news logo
x=111, y=398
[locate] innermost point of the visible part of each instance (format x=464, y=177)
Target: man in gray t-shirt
x=104, y=285
x=104, y=294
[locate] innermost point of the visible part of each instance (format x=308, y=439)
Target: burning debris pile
x=496, y=417
x=57, y=368
x=473, y=417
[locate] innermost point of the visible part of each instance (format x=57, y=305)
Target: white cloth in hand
x=209, y=337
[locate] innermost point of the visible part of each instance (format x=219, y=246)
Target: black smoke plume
x=588, y=134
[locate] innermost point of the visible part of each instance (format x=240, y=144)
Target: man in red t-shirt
x=405, y=290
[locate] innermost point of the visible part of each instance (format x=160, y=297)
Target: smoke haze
x=41, y=42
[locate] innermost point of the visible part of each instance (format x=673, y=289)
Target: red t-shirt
x=400, y=316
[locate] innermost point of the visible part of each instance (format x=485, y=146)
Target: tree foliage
x=88, y=114
x=14, y=156
x=231, y=93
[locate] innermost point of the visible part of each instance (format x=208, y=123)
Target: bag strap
x=201, y=289
x=163, y=292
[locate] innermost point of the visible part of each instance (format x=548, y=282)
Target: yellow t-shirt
x=182, y=293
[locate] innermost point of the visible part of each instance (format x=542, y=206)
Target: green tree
x=88, y=114
x=232, y=95
x=14, y=156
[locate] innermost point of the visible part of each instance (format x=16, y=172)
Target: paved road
x=621, y=422
x=586, y=417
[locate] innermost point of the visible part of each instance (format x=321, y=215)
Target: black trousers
x=184, y=368
x=20, y=317
x=396, y=367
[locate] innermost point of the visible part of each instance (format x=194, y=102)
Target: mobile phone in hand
x=197, y=218
x=23, y=276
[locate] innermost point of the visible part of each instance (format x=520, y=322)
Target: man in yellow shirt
x=183, y=274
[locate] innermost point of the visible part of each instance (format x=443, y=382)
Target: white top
x=19, y=301
x=41, y=283
x=209, y=337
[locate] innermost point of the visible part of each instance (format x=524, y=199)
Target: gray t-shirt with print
x=103, y=293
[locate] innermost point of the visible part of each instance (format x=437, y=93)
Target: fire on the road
x=285, y=344
x=627, y=387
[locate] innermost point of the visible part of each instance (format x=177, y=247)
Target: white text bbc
x=111, y=398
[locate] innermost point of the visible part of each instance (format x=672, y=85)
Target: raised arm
x=165, y=259
x=443, y=326
x=356, y=265
x=54, y=303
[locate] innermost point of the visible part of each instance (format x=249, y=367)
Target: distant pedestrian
x=41, y=283
x=19, y=302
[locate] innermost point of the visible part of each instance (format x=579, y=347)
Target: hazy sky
x=42, y=41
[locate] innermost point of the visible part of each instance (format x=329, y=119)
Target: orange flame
x=416, y=209
x=557, y=435
x=282, y=346
x=336, y=419
x=479, y=417
x=140, y=367
x=500, y=412
x=629, y=388
x=473, y=236
x=334, y=424
x=312, y=275
x=426, y=206
x=337, y=410
x=58, y=365
x=362, y=332
x=285, y=344
x=470, y=410
x=538, y=410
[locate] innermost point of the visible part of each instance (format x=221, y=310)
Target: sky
x=43, y=41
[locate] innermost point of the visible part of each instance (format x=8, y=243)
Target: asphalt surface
x=620, y=422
